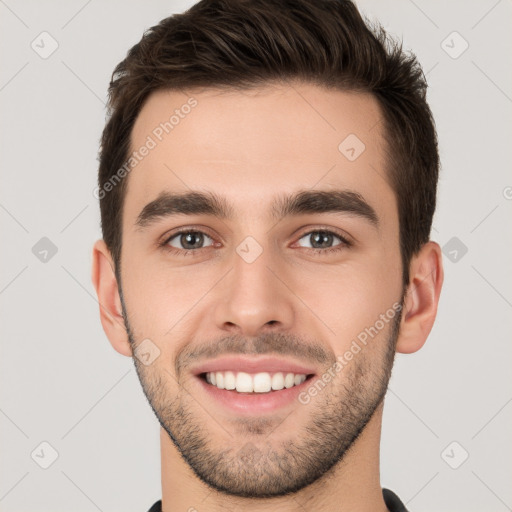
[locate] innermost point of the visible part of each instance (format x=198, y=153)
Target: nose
x=254, y=298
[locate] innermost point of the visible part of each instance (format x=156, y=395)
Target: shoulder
x=157, y=507
x=392, y=501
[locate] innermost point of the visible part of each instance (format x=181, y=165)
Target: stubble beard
x=247, y=460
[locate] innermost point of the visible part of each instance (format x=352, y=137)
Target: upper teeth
x=261, y=382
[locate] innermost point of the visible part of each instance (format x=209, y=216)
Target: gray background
x=62, y=383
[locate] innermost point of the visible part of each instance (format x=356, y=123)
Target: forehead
x=252, y=145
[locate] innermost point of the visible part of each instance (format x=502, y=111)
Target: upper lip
x=252, y=365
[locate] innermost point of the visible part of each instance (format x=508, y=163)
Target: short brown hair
x=237, y=44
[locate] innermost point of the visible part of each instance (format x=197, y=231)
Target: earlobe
x=422, y=298
x=105, y=283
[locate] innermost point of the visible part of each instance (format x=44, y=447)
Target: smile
x=262, y=382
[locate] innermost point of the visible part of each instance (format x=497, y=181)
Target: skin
x=248, y=147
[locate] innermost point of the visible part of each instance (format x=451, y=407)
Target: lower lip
x=254, y=403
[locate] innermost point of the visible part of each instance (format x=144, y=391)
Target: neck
x=351, y=485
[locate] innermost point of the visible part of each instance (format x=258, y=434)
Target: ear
x=105, y=283
x=421, y=298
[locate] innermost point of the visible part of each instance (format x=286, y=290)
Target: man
x=267, y=183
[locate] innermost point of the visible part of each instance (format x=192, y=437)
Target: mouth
x=251, y=383
x=253, y=386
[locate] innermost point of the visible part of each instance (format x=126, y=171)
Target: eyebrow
x=168, y=204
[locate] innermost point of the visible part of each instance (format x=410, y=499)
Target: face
x=261, y=253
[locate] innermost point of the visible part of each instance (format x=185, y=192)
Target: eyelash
x=345, y=244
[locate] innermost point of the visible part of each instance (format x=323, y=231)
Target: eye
x=324, y=239
x=188, y=240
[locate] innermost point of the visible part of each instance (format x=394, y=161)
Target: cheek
x=352, y=297
x=338, y=300
x=160, y=299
